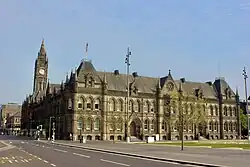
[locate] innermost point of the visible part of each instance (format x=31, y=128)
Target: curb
x=140, y=156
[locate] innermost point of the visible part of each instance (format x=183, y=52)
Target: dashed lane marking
x=52, y=164
x=81, y=155
x=45, y=161
x=60, y=150
x=113, y=162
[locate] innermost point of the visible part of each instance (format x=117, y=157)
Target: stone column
x=161, y=118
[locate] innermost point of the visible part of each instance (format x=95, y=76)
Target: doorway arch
x=135, y=128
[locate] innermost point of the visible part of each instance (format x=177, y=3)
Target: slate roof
x=147, y=84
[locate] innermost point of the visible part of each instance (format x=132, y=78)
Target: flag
x=86, y=49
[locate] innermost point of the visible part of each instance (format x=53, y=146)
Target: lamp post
x=50, y=125
x=127, y=62
x=245, y=79
x=182, y=119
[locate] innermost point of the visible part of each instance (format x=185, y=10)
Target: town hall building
x=94, y=104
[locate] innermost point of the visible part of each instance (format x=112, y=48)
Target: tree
x=243, y=119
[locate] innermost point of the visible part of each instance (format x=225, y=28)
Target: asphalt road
x=53, y=155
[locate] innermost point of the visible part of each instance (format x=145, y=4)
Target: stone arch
x=97, y=103
x=211, y=110
x=97, y=124
x=135, y=127
x=90, y=103
x=147, y=106
x=81, y=102
x=230, y=110
x=112, y=104
x=119, y=104
x=137, y=105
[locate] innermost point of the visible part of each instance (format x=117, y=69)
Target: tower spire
x=42, y=48
x=86, y=50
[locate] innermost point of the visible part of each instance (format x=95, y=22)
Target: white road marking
x=39, y=158
x=10, y=161
x=113, y=162
x=45, y=161
x=60, y=150
x=30, y=159
x=26, y=160
x=52, y=164
x=81, y=155
x=13, y=157
x=16, y=160
x=22, y=142
x=22, y=160
x=43, y=146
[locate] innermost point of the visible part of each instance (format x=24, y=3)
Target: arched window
x=81, y=103
x=146, y=124
x=89, y=124
x=230, y=111
x=225, y=126
x=136, y=105
x=211, y=110
x=119, y=105
x=216, y=126
x=230, y=126
x=97, y=104
x=152, y=125
x=112, y=105
x=97, y=124
x=80, y=124
x=89, y=104
x=210, y=126
x=225, y=111
x=148, y=106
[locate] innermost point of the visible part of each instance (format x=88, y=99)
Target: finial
x=169, y=71
x=159, y=82
x=237, y=91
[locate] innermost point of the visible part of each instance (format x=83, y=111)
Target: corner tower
x=41, y=71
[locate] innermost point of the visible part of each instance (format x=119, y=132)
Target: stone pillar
x=104, y=124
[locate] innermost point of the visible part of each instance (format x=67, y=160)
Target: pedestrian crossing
x=14, y=159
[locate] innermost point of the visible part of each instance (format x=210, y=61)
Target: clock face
x=170, y=86
x=41, y=71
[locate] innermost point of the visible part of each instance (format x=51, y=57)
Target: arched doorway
x=135, y=128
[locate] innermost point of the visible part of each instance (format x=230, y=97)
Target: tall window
x=97, y=124
x=97, y=104
x=119, y=105
x=112, y=105
x=89, y=103
x=80, y=124
x=146, y=124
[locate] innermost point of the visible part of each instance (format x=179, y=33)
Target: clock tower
x=41, y=71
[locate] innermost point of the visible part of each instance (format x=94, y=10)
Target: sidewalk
x=223, y=157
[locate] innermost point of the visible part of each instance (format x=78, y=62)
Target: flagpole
x=86, y=50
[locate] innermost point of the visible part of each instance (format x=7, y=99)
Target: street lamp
x=50, y=125
x=245, y=79
x=127, y=62
x=182, y=121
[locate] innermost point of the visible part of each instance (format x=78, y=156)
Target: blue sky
x=196, y=39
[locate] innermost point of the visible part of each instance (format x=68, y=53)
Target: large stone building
x=93, y=103
x=8, y=110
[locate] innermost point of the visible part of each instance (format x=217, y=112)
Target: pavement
x=24, y=153
x=222, y=157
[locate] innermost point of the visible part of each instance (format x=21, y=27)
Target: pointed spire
x=67, y=78
x=104, y=77
x=42, y=48
x=237, y=91
x=76, y=77
x=159, y=83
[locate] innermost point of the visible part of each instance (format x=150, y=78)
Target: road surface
x=30, y=153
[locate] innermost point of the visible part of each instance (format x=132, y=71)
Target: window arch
x=112, y=105
x=211, y=126
x=80, y=123
x=119, y=105
x=146, y=122
x=216, y=126
x=148, y=106
x=225, y=111
x=137, y=106
x=230, y=111
x=97, y=124
x=89, y=103
x=211, y=110
x=97, y=104
x=225, y=126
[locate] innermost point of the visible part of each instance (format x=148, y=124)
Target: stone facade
x=94, y=104
x=8, y=110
